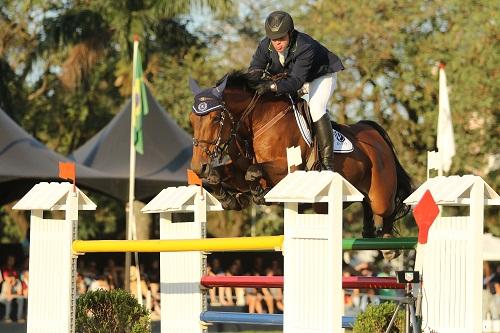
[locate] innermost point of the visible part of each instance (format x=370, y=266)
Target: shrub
x=114, y=311
x=376, y=318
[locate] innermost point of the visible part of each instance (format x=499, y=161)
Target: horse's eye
x=217, y=118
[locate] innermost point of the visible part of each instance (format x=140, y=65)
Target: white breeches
x=320, y=91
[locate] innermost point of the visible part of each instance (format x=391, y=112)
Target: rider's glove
x=266, y=87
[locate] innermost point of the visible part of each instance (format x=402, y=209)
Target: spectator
x=491, y=289
x=11, y=290
x=239, y=293
x=212, y=291
x=254, y=295
x=369, y=298
x=154, y=284
x=133, y=284
x=9, y=267
x=89, y=273
x=386, y=272
x=495, y=304
x=218, y=271
x=100, y=282
x=81, y=287
x=25, y=243
x=114, y=274
x=25, y=277
x=253, y=299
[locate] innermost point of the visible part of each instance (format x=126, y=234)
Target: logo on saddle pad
x=341, y=144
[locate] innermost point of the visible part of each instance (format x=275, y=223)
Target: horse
x=239, y=149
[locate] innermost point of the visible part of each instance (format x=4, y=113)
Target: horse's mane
x=240, y=79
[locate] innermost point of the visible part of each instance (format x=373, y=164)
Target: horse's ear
x=195, y=88
x=217, y=91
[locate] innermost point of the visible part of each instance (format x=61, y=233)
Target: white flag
x=445, y=137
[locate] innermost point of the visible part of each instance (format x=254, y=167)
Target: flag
x=139, y=103
x=67, y=171
x=193, y=179
x=445, y=137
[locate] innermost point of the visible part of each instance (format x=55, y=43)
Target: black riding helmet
x=278, y=24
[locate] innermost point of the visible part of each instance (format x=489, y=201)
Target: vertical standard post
x=313, y=266
x=180, y=273
x=53, y=271
x=475, y=263
x=335, y=207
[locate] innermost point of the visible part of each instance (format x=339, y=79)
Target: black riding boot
x=324, y=135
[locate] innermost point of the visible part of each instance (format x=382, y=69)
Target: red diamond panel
x=425, y=212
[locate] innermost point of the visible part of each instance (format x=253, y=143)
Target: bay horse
x=239, y=149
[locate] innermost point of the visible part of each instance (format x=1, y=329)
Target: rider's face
x=280, y=44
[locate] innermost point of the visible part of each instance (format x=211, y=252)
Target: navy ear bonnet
x=206, y=102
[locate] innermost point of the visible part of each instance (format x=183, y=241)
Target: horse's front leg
x=257, y=183
x=229, y=199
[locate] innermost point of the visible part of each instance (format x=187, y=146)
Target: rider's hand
x=266, y=87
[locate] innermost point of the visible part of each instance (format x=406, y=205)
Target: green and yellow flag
x=139, y=103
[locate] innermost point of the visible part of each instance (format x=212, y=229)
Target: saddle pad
x=341, y=144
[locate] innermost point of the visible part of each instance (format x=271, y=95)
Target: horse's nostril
x=203, y=170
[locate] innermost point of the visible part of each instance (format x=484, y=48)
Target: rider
x=308, y=66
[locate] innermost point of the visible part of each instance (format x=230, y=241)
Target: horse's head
x=212, y=126
x=215, y=118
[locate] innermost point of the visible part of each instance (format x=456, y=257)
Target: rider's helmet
x=278, y=24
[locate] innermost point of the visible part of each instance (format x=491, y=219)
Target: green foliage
x=114, y=311
x=376, y=318
x=391, y=50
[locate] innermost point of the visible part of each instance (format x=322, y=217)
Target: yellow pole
x=264, y=243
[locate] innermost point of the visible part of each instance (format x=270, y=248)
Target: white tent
x=491, y=248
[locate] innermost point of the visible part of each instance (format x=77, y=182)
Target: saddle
x=341, y=143
x=312, y=160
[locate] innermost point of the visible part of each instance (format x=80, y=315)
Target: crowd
x=14, y=284
x=258, y=300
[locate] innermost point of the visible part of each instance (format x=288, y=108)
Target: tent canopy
x=24, y=161
x=167, y=152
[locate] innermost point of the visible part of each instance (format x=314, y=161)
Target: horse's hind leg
x=368, y=223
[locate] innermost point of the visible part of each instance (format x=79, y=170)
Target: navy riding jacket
x=306, y=60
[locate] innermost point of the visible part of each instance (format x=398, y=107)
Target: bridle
x=220, y=147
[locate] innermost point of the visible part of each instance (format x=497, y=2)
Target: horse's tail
x=404, y=185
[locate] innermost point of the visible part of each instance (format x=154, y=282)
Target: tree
x=66, y=66
x=391, y=50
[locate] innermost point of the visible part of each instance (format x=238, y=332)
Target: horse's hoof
x=253, y=174
x=232, y=204
x=390, y=254
x=368, y=233
x=243, y=199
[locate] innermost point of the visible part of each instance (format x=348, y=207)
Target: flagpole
x=131, y=197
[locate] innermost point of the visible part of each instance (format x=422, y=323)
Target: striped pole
x=255, y=318
x=350, y=282
x=264, y=243
x=401, y=243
